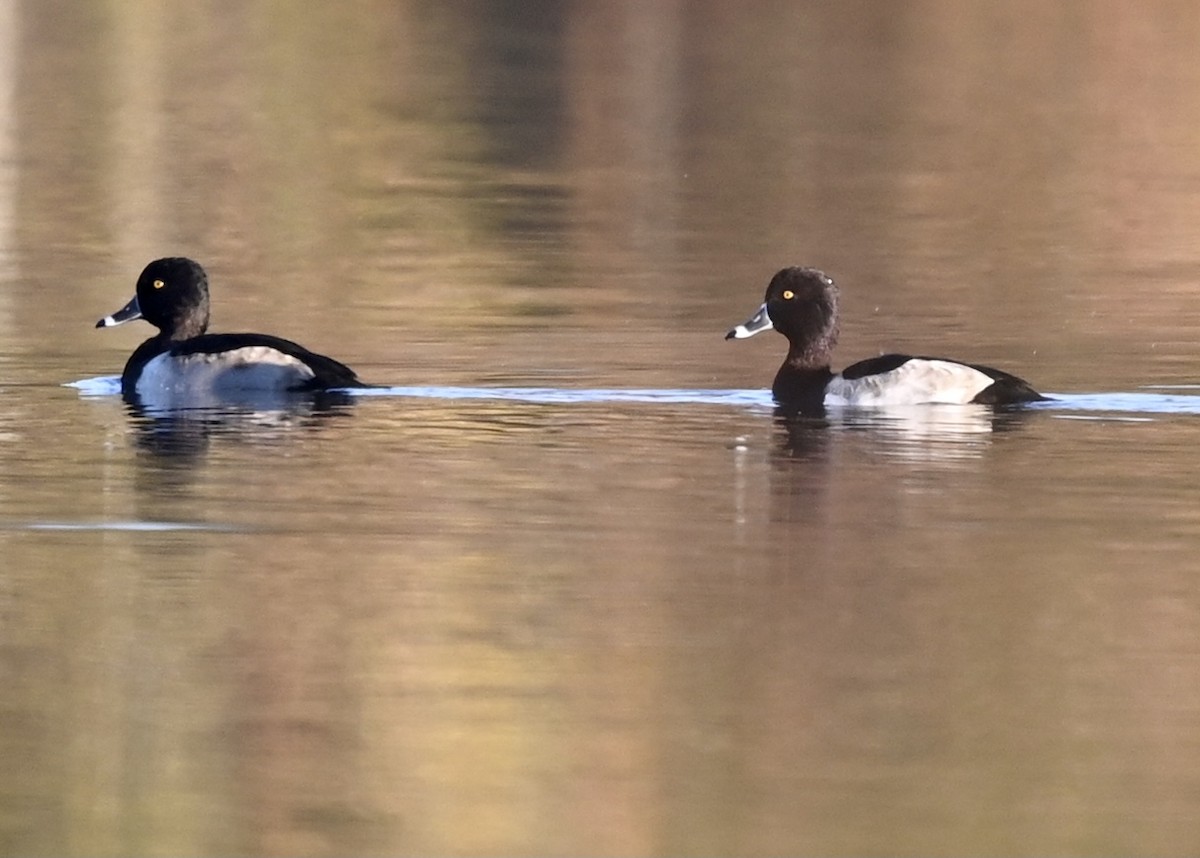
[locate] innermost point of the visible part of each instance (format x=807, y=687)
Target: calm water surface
x=569, y=587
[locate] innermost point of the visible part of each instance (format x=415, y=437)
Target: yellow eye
x=158, y=284
x=788, y=294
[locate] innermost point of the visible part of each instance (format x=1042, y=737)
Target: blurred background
x=435, y=626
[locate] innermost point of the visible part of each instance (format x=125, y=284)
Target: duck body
x=231, y=363
x=182, y=359
x=802, y=304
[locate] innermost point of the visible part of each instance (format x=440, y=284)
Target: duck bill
x=756, y=324
x=128, y=313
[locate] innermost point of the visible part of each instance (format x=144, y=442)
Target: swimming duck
x=172, y=295
x=802, y=304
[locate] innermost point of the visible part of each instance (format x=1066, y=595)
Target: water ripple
x=568, y=395
x=1142, y=402
x=135, y=526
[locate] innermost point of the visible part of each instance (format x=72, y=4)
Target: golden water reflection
x=449, y=626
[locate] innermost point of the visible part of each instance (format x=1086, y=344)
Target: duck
x=182, y=358
x=802, y=304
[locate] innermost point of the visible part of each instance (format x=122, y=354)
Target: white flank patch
x=253, y=368
x=914, y=382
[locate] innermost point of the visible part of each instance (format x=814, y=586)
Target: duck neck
x=187, y=327
x=805, y=373
x=800, y=383
x=812, y=357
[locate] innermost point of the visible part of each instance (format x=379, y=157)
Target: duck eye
x=158, y=284
x=788, y=294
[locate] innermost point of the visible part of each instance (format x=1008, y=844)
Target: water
x=563, y=583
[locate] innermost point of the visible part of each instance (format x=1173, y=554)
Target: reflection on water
x=362, y=627
x=571, y=586
x=925, y=434
x=915, y=434
x=186, y=432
